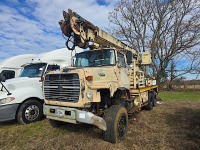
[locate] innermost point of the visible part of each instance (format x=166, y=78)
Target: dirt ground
x=170, y=125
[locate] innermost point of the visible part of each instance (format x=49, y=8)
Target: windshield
x=33, y=70
x=96, y=58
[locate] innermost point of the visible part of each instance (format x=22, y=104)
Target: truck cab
x=21, y=98
x=11, y=67
x=82, y=93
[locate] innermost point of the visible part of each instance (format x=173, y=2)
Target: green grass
x=170, y=125
x=180, y=96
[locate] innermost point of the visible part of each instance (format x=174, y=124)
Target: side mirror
x=129, y=56
x=2, y=78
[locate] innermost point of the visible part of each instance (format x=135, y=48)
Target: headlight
x=6, y=100
x=89, y=94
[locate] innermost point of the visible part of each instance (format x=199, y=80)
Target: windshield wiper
x=98, y=65
x=32, y=76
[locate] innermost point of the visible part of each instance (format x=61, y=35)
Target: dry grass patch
x=171, y=125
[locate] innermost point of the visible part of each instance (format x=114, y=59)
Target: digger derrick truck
x=105, y=84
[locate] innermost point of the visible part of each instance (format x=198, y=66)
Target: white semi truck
x=21, y=98
x=11, y=67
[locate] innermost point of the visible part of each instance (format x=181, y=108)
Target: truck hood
x=99, y=74
x=102, y=77
x=13, y=84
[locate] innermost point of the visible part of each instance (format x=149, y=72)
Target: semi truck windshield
x=33, y=70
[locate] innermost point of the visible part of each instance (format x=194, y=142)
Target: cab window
x=121, y=59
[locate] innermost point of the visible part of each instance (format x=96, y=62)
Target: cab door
x=123, y=71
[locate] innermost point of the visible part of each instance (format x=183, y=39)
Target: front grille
x=62, y=87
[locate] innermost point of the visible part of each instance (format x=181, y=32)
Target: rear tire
x=116, y=119
x=55, y=123
x=30, y=111
x=154, y=95
x=149, y=106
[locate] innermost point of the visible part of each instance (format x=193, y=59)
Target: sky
x=31, y=26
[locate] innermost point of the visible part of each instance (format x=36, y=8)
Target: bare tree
x=166, y=28
x=187, y=62
x=172, y=73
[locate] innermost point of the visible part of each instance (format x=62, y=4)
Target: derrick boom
x=80, y=32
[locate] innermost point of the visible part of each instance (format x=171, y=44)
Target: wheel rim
x=122, y=125
x=31, y=112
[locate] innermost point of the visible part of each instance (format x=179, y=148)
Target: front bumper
x=8, y=112
x=73, y=115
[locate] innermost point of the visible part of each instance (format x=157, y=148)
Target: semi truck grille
x=62, y=87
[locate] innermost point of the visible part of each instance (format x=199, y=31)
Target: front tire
x=116, y=119
x=30, y=111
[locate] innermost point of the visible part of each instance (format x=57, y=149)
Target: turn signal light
x=41, y=79
x=89, y=78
